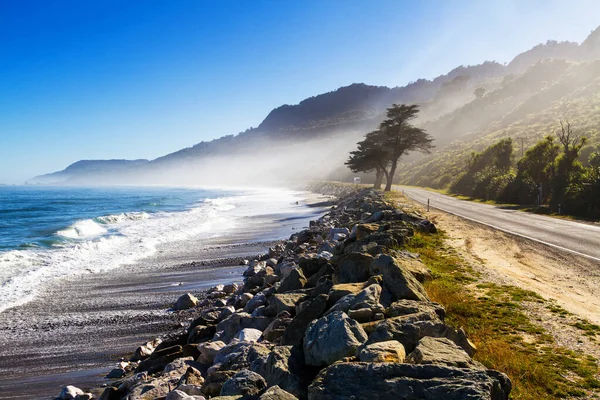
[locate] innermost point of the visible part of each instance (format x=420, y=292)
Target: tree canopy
x=381, y=149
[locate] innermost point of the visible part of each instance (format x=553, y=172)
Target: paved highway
x=574, y=237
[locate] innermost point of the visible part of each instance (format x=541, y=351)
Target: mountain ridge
x=354, y=109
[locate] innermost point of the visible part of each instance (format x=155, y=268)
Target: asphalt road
x=574, y=237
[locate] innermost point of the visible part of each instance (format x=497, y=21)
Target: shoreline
x=338, y=310
x=78, y=328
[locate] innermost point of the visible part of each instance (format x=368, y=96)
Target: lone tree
x=381, y=149
x=370, y=156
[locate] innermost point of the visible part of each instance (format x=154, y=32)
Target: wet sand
x=76, y=330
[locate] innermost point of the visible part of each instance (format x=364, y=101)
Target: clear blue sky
x=87, y=79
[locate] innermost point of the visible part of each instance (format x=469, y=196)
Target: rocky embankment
x=338, y=311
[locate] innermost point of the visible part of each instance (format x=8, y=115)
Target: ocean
x=51, y=232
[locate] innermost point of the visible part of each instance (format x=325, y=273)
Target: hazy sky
x=139, y=79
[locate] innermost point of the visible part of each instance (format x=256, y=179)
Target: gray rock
x=353, y=267
x=70, y=392
x=332, y=338
x=146, y=349
x=399, y=281
x=336, y=231
x=295, y=331
x=389, y=351
x=293, y=281
x=362, y=230
x=245, y=298
x=368, y=381
x=191, y=377
x=258, y=300
x=227, y=328
x=369, y=296
x=237, y=356
x=275, y=330
x=412, y=264
x=158, y=387
x=181, y=395
x=248, y=335
x=201, y=333
x=284, y=366
x=405, y=307
x=208, y=351
x=284, y=269
x=276, y=393
x=409, y=329
x=214, y=382
x=443, y=351
x=245, y=383
x=186, y=301
x=285, y=301
x=179, y=366
x=191, y=390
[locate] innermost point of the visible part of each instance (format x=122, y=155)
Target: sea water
x=51, y=232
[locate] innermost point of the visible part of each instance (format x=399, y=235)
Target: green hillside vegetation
x=526, y=108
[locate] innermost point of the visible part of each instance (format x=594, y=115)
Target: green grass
x=493, y=316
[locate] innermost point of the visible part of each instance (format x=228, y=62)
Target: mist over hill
x=311, y=140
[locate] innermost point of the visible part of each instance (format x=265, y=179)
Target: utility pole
x=522, y=147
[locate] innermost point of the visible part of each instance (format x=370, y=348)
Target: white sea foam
x=107, y=242
x=82, y=229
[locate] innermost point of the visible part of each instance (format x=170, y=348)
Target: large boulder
x=398, y=280
x=244, y=383
x=443, y=351
x=186, y=301
x=412, y=263
x=285, y=302
x=389, y=351
x=237, y=356
x=214, y=382
x=284, y=366
x=295, y=331
x=293, y=281
x=362, y=230
x=405, y=307
x=276, y=329
x=368, y=297
x=367, y=381
x=332, y=338
x=409, y=329
x=353, y=267
x=259, y=300
x=343, y=289
x=227, y=329
x=208, y=351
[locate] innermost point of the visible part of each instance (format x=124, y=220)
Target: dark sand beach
x=78, y=328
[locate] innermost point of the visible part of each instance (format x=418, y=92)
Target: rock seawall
x=337, y=311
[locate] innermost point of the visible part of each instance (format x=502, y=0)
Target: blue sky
x=139, y=79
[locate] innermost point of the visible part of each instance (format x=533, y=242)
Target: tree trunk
x=378, y=178
x=390, y=175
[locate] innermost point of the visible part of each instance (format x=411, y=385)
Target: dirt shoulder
x=569, y=284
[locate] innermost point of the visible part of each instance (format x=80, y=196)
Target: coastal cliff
x=337, y=311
